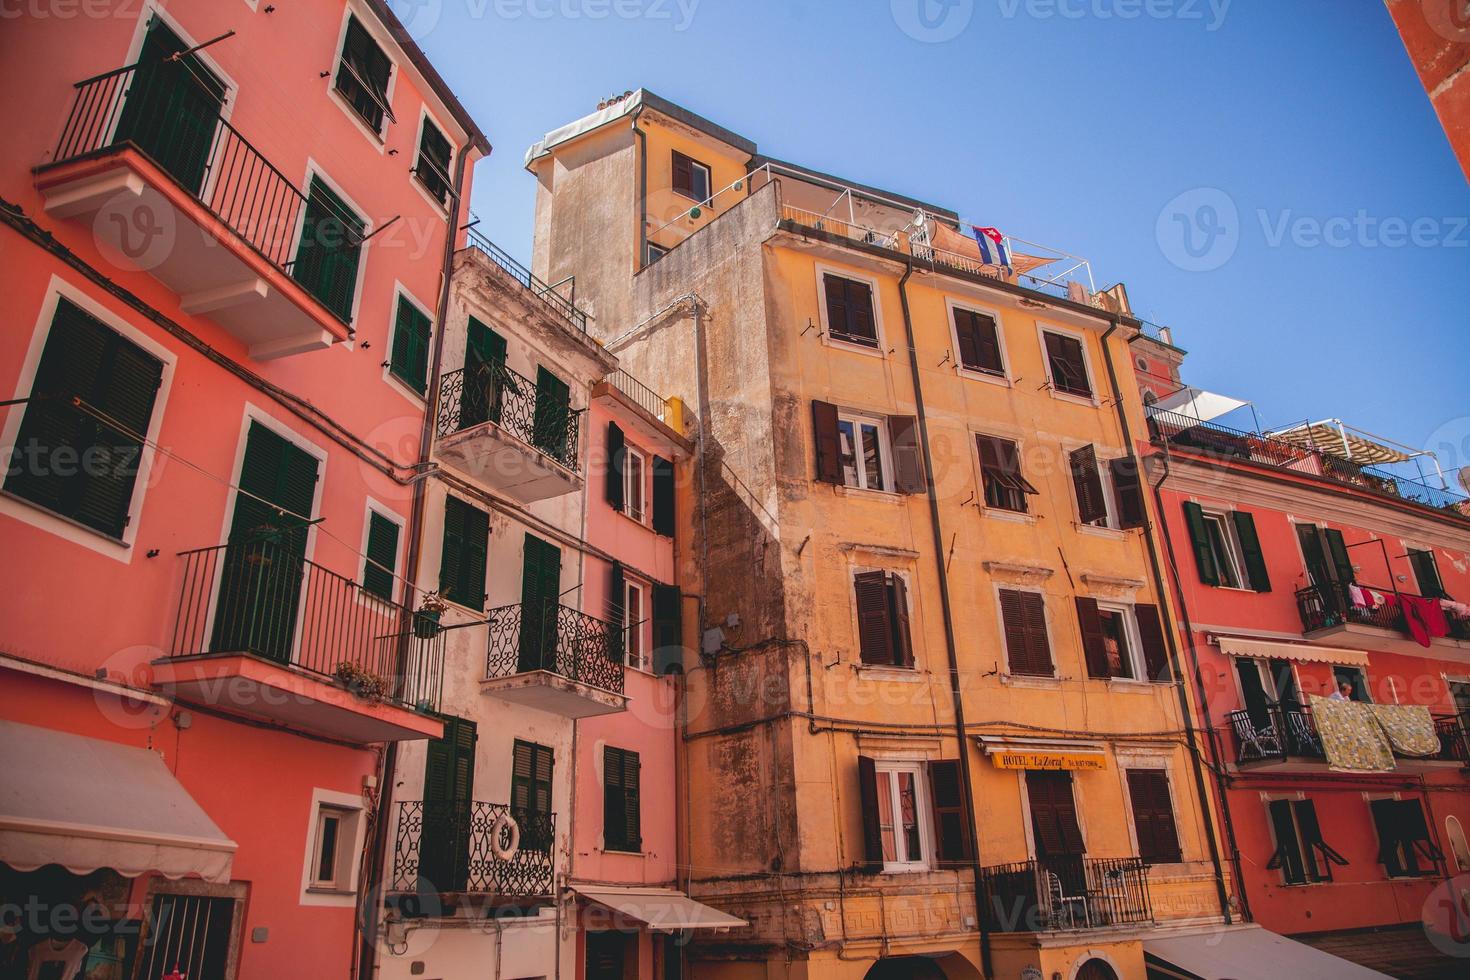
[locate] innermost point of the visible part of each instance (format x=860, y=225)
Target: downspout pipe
x=1170, y=636
x=367, y=917
x=642, y=138
x=955, y=684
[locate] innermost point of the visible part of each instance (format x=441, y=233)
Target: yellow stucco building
x=935, y=715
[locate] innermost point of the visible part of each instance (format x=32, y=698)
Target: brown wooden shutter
x=872, y=828
x=1094, y=643
x=1053, y=814
x=1151, y=637
x=966, y=332
x=952, y=844
x=1068, y=365
x=1128, y=488
x=828, y=443
x=1153, y=815
x=903, y=643
x=1023, y=616
x=683, y=174
x=616, y=587
x=1087, y=482
x=908, y=459
x=875, y=624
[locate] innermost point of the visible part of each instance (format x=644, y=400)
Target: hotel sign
x=1049, y=760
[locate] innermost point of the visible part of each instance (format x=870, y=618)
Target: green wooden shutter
x=617, y=455
x=85, y=359
x=329, y=251
x=1313, y=553
x=432, y=167
x=540, y=605
x=1288, y=856
x=1250, y=550
x=484, y=383
x=668, y=630
x=552, y=424
x=172, y=108
x=614, y=830
x=462, y=562
x=448, y=805
x=366, y=86
x=1426, y=573
x=663, y=497
x=632, y=803
x=1342, y=563
x=410, y=360
x=1204, y=555
x=532, y=767
x=382, y=556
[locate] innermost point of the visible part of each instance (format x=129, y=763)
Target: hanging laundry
x=1423, y=618
x=1352, y=739
x=1409, y=727
x=992, y=244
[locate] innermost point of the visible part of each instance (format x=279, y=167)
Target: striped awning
x=1336, y=439
x=1236, y=646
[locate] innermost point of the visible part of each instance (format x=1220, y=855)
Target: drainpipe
x=955, y=688
x=367, y=918
x=1230, y=840
x=642, y=139
x=1171, y=638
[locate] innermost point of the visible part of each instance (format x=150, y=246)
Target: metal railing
x=525, y=637
x=1323, y=607
x=563, y=307
x=1065, y=893
x=643, y=396
x=198, y=149
x=263, y=598
x=1454, y=739
x=495, y=393
x=1219, y=440
x=1282, y=731
x=472, y=847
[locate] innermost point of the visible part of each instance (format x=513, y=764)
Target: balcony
x=1333, y=612
x=558, y=304
x=490, y=852
x=497, y=428
x=556, y=659
x=1066, y=894
x=1283, y=738
x=166, y=185
x=1210, y=439
x=263, y=633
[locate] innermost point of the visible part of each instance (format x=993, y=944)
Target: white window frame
x=1028, y=515
x=1129, y=614
x=1233, y=551
x=378, y=139
x=1410, y=546
x=1004, y=378
x=1043, y=328
x=342, y=891
x=636, y=629
x=1105, y=479
x=426, y=117
x=1266, y=800
x=885, y=450
x=1362, y=673
x=635, y=478
x=823, y=270
x=370, y=507
x=400, y=291
x=314, y=169
x=709, y=176
x=922, y=813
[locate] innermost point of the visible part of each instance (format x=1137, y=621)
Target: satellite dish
x=1464, y=477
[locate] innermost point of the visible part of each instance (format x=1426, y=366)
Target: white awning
x=1235, y=646
x=1336, y=438
x=660, y=909
x=1246, y=953
x=1198, y=404
x=86, y=803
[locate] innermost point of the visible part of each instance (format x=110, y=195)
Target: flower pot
x=426, y=624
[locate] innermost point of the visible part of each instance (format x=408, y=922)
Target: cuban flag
x=992, y=246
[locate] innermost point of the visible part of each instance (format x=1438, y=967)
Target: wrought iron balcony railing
x=495, y=393
x=1287, y=731
x=263, y=598
x=559, y=304
x=472, y=847
x=547, y=636
x=1323, y=607
x=1066, y=893
x=176, y=124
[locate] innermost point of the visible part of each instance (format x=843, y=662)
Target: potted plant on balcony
x=426, y=617
x=363, y=683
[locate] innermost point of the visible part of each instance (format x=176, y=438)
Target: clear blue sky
x=1068, y=123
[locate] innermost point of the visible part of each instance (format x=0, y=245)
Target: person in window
x=1344, y=692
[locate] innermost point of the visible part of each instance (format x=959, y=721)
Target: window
x=621, y=826
x=1123, y=641
x=1054, y=827
x=1023, y=622
x=1426, y=573
x=849, y=307
x=552, y=423
x=1000, y=473
x=1325, y=553
x=1301, y=855
x=1092, y=504
x=869, y=452
x=66, y=459
x=462, y=563
x=902, y=832
x=409, y=362
x=1354, y=678
x=655, y=252
x=1125, y=508
x=449, y=810
x=1227, y=550
x=883, y=619
x=380, y=558
x=330, y=249
x=634, y=619
x=530, y=794
x=1118, y=648
x=691, y=178
x=1066, y=363
x=1404, y=847
x=331, y=865
x=633, y=485
x=908, y=821
x=1153, y=815
x=432, y=167
x=362, y=75
x=977, y=335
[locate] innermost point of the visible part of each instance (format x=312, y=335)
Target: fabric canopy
x=1246, y=953
x=1336, y=439
x=1233, y=646
x=946, y=238
x=85, y=803
x=1198, y=404
x=660, y=909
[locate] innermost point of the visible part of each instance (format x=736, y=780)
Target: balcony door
x=553, y=415
x=484, y=367
x=540, y=601
x=172, y=108
x=449, y=792
x=530, y=794
x=265, y=556
x=1054, y=828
